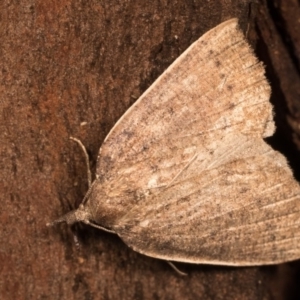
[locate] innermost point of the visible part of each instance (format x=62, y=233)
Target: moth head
x=78, y=215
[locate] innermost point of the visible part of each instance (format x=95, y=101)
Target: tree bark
x=72, y=68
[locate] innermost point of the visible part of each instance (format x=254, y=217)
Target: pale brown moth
x=185, y=174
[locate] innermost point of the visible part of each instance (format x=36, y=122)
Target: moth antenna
x=99, y=227
x=176, y=269
x=87, y=161
x=79, y=214
x=87, y=194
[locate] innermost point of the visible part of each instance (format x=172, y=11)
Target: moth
x=185, y=174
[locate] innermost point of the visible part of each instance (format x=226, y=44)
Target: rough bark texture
x=64, y=63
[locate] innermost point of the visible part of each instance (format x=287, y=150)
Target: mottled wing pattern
x=215, y=87
x=186, y=172
x=239, y=207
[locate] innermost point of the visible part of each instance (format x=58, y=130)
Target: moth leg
x=86, y=156
x=76, y=241
x=97, y=226
x=176, y=269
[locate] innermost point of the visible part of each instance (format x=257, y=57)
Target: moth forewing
x=185, y=174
